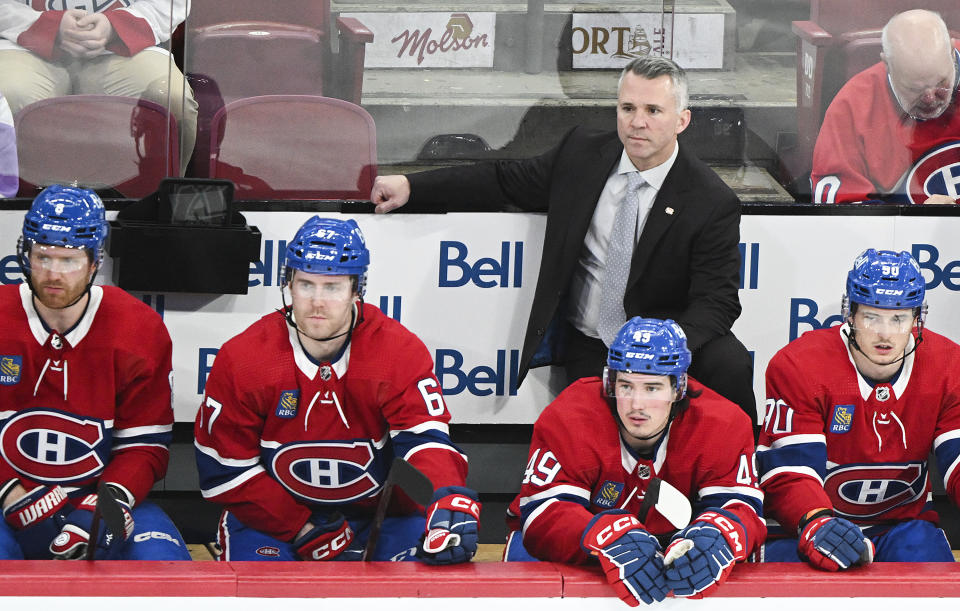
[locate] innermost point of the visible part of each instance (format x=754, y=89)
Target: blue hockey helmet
x=330, y=247
x=884, y=279
x=72, y=217
x=652, y=346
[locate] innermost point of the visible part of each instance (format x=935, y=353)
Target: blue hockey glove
x=833, y=544
x=701, y=556
x=36, y=518
x=331, y=538
x=451, y=531
x=74, y=537
x=629, y=555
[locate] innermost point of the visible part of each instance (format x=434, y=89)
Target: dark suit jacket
x=686, y=265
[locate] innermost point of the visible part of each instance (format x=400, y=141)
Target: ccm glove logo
x=615, y=529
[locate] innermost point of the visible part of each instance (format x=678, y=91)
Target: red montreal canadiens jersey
x=137, y=24
x=278, y=436
x=869, y=149
x=92, y=404
x=579, y=466
x=830, y=440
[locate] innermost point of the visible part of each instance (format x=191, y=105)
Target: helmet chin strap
x=851, y=336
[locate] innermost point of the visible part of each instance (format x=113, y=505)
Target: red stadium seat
x=294, y=147
x=841, y=38
x=97, y=141
x=245, y=48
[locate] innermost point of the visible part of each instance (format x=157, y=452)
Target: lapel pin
x=669, y=210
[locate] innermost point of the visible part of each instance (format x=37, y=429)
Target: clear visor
x=337, y=289
x=901, y=322
x=58, y=259
x=641, y=387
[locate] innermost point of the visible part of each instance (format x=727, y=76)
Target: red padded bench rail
x=410, y=580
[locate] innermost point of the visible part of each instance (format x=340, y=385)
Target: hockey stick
x=109, y=511
x=409, y=479
x=667, y=501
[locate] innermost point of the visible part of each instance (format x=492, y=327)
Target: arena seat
x=245, y=48
x=108, y=143
x=841, y=38
x=294, y=147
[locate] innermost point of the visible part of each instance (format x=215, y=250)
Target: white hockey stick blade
x=661, y=497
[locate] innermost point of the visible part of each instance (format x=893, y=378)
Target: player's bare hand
x=390, y=192
x=938, y=198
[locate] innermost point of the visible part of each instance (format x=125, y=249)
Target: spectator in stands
x=655, y=447
x=892, y=131
x=304, y=411
x=853, y=415
x=9, y=172
x=114, y=50
x=85, y=377
x=673, y=242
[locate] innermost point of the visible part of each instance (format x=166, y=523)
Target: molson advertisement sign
x=429, y=40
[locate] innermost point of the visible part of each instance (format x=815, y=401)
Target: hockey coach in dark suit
x=631, y=196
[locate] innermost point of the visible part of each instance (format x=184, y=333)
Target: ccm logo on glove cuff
x=613, y=530
x=457, y=502
x=731, y=532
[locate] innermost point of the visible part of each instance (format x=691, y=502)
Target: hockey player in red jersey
x=304, y=411
x=598, y=495
x=852, y=415
x=85, y=377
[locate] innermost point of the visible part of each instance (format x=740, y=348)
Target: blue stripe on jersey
x=716, y=501
x=948, y=458
x=162, y=438
x=214, y=473
x=812, y=455
x=529, y=508
x=404, y=441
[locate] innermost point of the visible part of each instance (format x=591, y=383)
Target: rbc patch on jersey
x=287, y=405
x=842, y=418
x=608, y=494
x=10, y=365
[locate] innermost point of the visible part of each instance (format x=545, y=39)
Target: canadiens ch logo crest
x=938, y=172
x=608, y=494
x=10, y=365
x=287, y=405
x=842, y=418
x=52, y=446
x=883, y=393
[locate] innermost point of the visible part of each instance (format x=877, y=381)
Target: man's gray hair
x=651, y=67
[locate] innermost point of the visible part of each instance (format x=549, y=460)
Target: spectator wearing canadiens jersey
x=305, y=410
x=892, y=132
x=85, y=382
x=657, y=454
x=113, y=47
x=853, y=412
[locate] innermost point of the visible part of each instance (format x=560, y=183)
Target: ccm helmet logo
x=889, y=292
x=618, y=526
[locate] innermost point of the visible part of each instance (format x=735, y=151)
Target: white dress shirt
x=584, y=301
